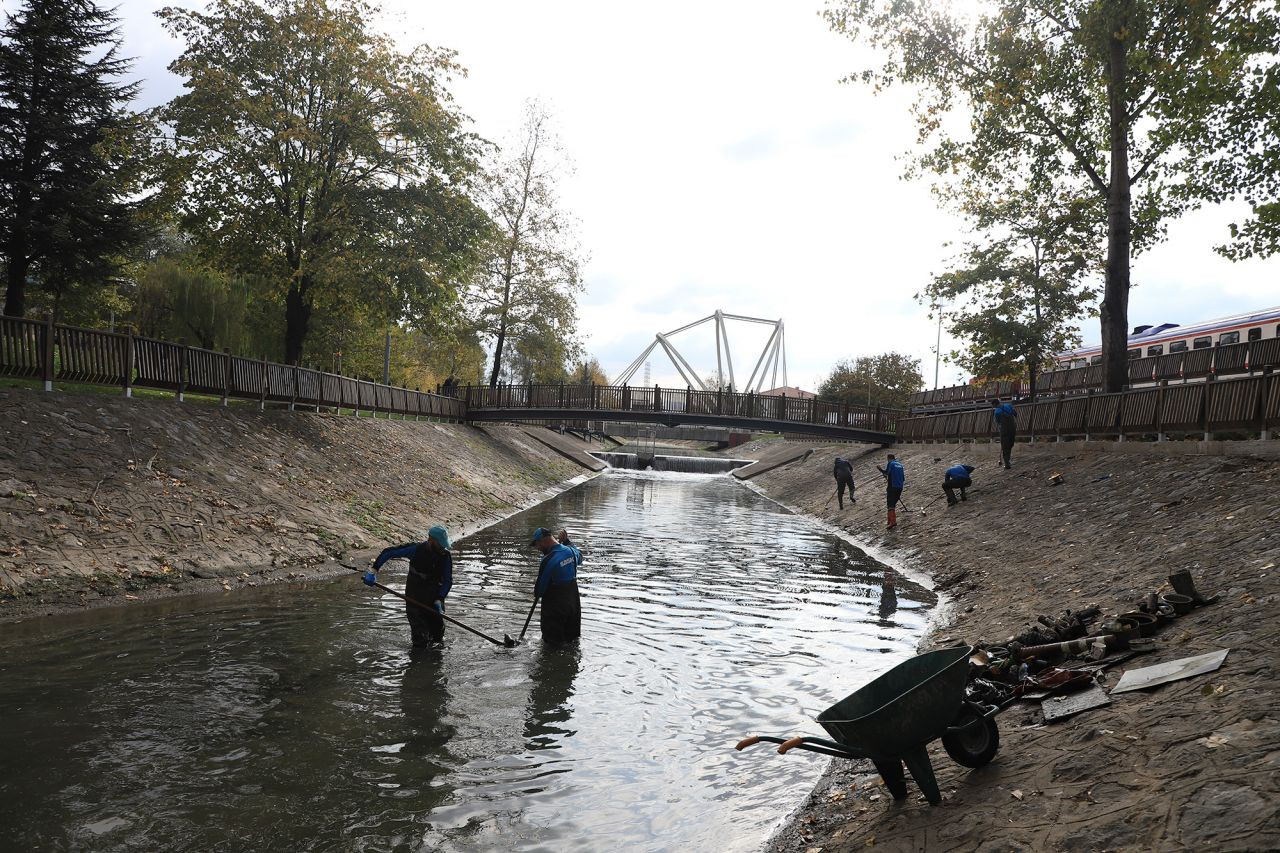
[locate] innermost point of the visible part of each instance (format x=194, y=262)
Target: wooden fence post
x=184, y=371
x=657, y=399
x=46, y=352
x=293, y=400
x=1208, y=391
x=262, y=399
x=129, y=359
x=226, y=375
x=562, y=395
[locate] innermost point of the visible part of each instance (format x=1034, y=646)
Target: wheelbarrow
x=892, y=720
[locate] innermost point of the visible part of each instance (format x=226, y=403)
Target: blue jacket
x=1005, y=415
x=958, y=471
x=559, y=566
x=895, y=474
x=430, y=574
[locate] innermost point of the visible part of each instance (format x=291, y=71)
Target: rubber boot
x=1183, y=584
x=893, y=520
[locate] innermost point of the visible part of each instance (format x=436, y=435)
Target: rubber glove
x=370, y=578
x=439, y=606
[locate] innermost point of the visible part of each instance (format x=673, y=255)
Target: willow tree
x=307, y=148
x=1135, y=96
x=527, y=289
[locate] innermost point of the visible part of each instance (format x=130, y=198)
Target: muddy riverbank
x=105, y=500
x=1189, y=765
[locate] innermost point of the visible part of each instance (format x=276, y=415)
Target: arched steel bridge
x=673, y=407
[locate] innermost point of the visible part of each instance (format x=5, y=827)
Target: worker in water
x=557, y=586
x=428, y=583
x=957, y=477
x=844, y=479
x=1007, y=422
x=895, y=478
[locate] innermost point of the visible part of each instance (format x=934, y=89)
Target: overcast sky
x=721, y=164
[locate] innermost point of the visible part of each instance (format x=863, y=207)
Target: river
x=297, y=717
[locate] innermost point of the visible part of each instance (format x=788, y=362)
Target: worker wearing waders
x=430, y=577
x=895, y=478
x=957, y=477
x=844, y=478
x=1007, y=421
x=557, y=586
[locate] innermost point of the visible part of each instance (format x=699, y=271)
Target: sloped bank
x=1191, y=764
x=108, y=500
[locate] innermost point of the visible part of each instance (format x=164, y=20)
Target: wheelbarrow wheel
x=975, y=743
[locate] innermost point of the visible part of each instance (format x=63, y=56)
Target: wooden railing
x=706, y=406
x=41, y=349
x=1196, y=364
x=1242, y=405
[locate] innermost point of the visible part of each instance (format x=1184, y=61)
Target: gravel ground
x=1188, y=765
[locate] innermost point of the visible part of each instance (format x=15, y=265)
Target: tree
x=1020, y=289
x=888, y=380
x=540, y=353
x=1130, y=95
x=188, y=302
x=527, y=288
x=68, y=151
x=308, y=149
x=589, y=372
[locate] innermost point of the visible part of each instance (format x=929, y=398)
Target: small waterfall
x=686, y=464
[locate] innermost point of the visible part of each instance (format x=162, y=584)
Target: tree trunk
x=297, y=319
x=15, y=296
x=1115, y=300
x=497, y=354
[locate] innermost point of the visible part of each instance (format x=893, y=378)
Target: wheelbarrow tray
x=904, y=708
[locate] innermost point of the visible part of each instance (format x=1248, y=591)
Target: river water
x=297, y=718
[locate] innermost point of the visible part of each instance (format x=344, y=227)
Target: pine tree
x=64, y=134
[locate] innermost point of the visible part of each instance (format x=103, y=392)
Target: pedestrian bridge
x=673, y=407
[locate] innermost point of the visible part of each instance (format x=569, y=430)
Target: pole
x=937, y=349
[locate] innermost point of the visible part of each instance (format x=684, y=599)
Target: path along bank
x=1191, y=764
x=105, y=500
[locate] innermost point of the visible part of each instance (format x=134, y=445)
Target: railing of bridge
x=625, y=398
x=44, y=350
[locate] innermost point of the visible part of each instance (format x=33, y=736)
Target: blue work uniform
x=1007, y=421
x=557, y=586
x=895, y=479
x=957, y=477
x=430, y=579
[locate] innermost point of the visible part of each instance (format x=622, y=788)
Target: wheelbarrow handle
x=788, y=745
x=747, y=741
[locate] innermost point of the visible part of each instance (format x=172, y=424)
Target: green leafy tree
x=309, y=149
x=528, y=286
x=589, y=372
x=181, y=302
x=887, y=380
x=540, y=354
x=1133, y=97
x=1020, y=288
x=69, y=155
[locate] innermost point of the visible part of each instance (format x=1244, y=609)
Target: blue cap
x=441, y=535
x=538, y=534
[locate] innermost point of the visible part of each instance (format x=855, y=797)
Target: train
x=1167, y=338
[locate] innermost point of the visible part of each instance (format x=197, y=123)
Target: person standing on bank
x=957, y=477
x=1007, y=421
x=895, y=477
x=557, y=586
x=430, y=578
x=844, y=479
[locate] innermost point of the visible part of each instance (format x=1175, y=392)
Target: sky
x=719, y=163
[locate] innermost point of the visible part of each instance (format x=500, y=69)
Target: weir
x=662, y=462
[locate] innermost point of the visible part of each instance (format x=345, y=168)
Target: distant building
x=789, y=391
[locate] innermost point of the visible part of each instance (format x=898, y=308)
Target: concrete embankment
x=107, y=500
x=1188, y=765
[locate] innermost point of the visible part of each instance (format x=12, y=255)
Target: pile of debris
x=1040, y=664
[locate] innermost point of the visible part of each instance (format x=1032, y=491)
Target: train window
x=1078, y=362
x=1158, y=349
x=1228, y=338
x=1096, y=359
x=1255, y=334
x=1201, y=343
x=1177, y=346
x=1135, y=353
